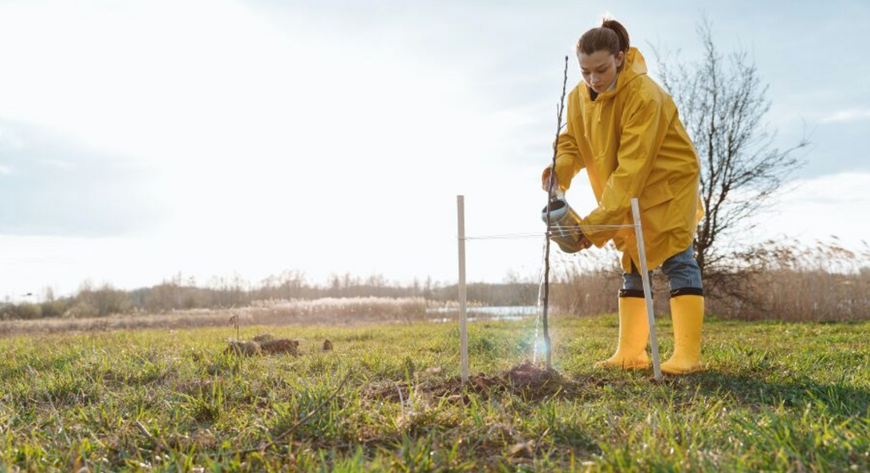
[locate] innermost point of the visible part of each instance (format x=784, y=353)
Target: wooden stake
x=647, y=291
x=463, y=334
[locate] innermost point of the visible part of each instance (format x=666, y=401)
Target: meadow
x=779, y=396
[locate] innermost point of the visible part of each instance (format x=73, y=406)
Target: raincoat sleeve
x=568, y=159
x=641, y=136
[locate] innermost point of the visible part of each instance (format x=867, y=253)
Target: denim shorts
x=682, y=271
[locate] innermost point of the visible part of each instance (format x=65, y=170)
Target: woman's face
x=599, y=69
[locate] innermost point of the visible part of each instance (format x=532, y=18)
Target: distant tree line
x=180, y=293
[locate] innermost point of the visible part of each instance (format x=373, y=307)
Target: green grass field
x=775, y=396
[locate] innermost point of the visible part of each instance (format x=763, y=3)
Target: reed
x=776, y=280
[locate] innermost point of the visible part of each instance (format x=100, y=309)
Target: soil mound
x=526, y=380
x=264, y=344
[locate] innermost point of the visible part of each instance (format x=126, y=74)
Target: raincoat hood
x=634, y=66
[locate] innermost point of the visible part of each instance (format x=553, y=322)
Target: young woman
x=625, y=131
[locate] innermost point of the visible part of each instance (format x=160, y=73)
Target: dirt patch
x=526, y=380
x=529, y=376
x=243, y=348
x=281, y=346
x=264, y=344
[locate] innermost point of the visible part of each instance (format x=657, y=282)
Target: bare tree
x=723, y=101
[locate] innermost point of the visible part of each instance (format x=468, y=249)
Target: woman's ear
x=620, y=59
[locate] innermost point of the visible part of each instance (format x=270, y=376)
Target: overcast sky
x=143, y=138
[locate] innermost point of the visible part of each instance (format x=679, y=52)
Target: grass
x=775, y=396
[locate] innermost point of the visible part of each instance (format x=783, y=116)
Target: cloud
x=816, y=208
x=254, y=146
x=849, y=115
x=103, y=194
x=9, y=139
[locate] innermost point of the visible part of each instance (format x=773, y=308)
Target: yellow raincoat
x=632, y=144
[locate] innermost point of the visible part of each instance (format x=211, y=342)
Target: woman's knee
x=632, y=281
x=682, y=271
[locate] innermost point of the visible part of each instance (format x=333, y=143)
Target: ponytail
x=610, y=36
x=620, y=31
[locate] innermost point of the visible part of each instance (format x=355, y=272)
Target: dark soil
x=525, y=379
x=264, y=344
x=281, y=346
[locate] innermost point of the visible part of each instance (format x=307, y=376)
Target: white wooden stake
x=647, y=291
x=463, y=335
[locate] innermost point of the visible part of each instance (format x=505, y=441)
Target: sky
x=140, y=139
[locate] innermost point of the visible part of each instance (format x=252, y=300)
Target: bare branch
x=723, y=104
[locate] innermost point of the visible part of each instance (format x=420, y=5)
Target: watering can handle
x=558, y=195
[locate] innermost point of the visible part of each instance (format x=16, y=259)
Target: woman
x=625, y=131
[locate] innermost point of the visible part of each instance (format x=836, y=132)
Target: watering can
x=564, y=224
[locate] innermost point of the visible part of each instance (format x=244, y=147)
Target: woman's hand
x=545, y=180
x=584, y=242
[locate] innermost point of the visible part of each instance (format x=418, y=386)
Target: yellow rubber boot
x=687, y=313
x=633, y=336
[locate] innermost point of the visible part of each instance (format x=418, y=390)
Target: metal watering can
x=564, y=224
